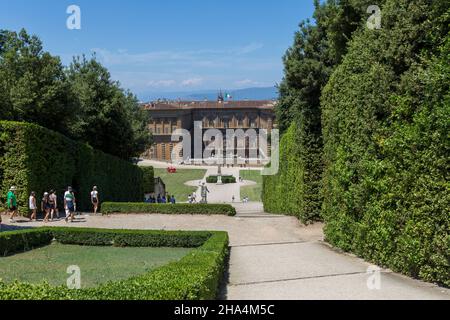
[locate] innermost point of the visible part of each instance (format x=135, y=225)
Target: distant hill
x=263, y=93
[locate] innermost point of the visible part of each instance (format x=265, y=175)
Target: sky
x=169, y=45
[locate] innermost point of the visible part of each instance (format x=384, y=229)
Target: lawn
x=97, y=264
x=252, y=192
x=175, y=182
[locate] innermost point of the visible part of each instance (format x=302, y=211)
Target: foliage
x=148, y=183
x=194, y=277
x=179, y=208
x=23, y=240
x=81, y=101
x=225, y=179
x=37, y=159
x=317, y=49
x=108, y=118
x=285, y=193
x=386, y=130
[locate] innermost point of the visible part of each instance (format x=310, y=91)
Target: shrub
x=295, y=189
x=23, y=240
x=37, y=159
x=148, y=183
x=194, y=277
x=181, y=208
x=225, y=179
x=385, y=127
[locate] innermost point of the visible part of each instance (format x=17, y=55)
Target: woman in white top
x=32, y=205
x=94, y=199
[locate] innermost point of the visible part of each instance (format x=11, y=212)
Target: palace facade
x=166, y=117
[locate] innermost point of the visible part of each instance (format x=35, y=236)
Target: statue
x=219, y=174
x=204, y=192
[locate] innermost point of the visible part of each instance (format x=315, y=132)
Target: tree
x=317, y=49
x=33, y=86
x=108, y=118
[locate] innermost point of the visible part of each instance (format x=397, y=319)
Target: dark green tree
x=108, y=118
x=33, y=86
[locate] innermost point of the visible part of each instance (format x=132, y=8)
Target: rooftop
x=189, y=105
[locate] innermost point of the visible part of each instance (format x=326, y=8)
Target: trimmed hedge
x=225, y=179
x=148, y=183
x=195, y=277
x=295, y=189
x=37, y=159
x=179, y=208
x=386, y=132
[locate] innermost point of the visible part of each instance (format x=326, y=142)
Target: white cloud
x=191, y=82
x=161, y=83
x=247, y=82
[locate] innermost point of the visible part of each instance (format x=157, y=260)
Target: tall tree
x=108, y=118
x=33, y=86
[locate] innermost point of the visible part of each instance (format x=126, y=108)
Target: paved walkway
x=222, y=193
x=275, y=257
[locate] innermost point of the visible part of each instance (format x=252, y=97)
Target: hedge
x=37, y=159
x=148, y=183
x=225, y=179
x=194, y=277
x=296, y=189
x=180, y=208
x=386, y=132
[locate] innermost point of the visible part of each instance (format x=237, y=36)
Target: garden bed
x=196, y=276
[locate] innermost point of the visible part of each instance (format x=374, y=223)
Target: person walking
x=45, y=206
x=32, y=205
x=95, y=199
x=11, y=202
x=52, y=200
x=69, y=204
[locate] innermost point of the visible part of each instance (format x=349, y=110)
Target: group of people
x=49, y=204
x=161, y=199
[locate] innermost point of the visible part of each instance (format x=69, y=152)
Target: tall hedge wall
x=386, y=127
x=295, y=190
x=36, y=159
x=148, y=184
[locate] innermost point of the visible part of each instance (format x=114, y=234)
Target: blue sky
x=169, y=45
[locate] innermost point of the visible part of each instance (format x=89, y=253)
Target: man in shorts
x=11, y=202
x=69, y=204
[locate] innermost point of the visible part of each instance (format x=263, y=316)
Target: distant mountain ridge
x=260, y=93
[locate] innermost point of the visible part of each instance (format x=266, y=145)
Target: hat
x=45, y=193
x=12, y=188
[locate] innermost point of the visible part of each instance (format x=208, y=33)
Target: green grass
x=252, y=192
x=175, y=182
x=97, y=264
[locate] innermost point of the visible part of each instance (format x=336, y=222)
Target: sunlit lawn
x=97, y=264
x=175, y=182
x=252, y=192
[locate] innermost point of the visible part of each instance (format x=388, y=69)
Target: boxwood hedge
x=225, y=179
x=194, y=277
x=182, y=208
x=37, y=159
